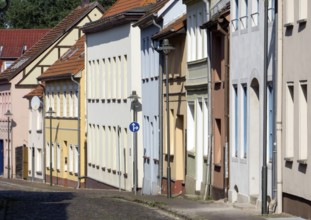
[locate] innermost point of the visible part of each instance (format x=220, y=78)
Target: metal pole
x=264, y=208
x=51, y=149
x=8, y=147
x=135, y=150
x=169, y=195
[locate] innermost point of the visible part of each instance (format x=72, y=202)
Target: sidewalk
x=181, y=206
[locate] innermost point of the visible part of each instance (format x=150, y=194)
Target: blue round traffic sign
x=134, y=126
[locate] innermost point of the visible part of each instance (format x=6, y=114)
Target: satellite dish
x=35, y=103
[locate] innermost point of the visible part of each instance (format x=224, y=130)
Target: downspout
x=79, y=129
x=278, y=103
x=210, y=133
x=44, y=146
x=160, y=170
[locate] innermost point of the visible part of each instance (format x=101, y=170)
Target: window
x=103, y=79
x=89, y=80
x=119, y=77
x=303, y=10
x=53, y=156
x=270, y=118
x=76, y=161
x=244, y=14
x=235, y=121
x=205, y=128
x=108, y=79
x=65, y=104
x=71, y=158
x=199, y=128
x=114, y=77
x=76, y=103
x=244, y=130
x=47, y=158
x=39, y=160
x=303, y=121
x=235, y=15
x=289, y=15
x=125, y=77
x=191, y=127
x=71, y=104
x=30, y=120
x=39, y=119
x=58, y=104
x=255, y=12
x=58, y=157
x=196, y=39
x=289, y=126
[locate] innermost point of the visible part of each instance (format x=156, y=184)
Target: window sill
x=289, y=159
x=302, y=161
x=288, y=24
x=302, y=20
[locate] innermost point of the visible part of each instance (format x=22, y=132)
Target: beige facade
x=178, y=122
x=296, y=117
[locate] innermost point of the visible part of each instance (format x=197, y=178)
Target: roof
x=123, y=5
x=38, y=91
x=71, y=63
x=152, y=12
x=175, y=27
x=14, y=42
x=51, y=37
x=121, y=12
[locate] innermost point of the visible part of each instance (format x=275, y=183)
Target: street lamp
x=9, y=115
x=135, y=106
x=51, y=112
x=166, y=48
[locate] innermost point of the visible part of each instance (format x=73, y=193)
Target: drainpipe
x=210, y=133
x=278, y=103
x=44, y=145
x=160, y=170
x=264, y=170
x=79, y=128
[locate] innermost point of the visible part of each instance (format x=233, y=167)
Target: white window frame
x=303, y=11
x=191, y=126
x=303, y=121
x=289, y=13
x=289, y=120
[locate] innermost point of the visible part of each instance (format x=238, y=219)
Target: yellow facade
x=65, y=133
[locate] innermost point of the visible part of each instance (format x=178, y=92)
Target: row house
x=196, y=85
x=64, y=132
x=13, y=44
x=246, y=99
x=293, y=100
x=166, y=20
x=218, y=34
x=113, y=70
x=21, y=78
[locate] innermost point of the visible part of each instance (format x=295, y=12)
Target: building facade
x=21, y=77
x=246, y=99
x=197, y=97
x=64, y=131
x=296, y=151
x=113, y=72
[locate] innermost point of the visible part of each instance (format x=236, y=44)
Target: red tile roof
x=71, y=63
x=172, y=28
x=51, y=37
x=149, y=14
x=38, y=91
x=12, y=41
x=123, y=5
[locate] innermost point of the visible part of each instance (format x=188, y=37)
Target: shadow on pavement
x=33, y=205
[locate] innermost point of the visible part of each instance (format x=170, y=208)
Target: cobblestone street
x=35, y=203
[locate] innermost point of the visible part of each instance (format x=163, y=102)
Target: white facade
x=246, y=95
x=35, y=144
x=113, y=72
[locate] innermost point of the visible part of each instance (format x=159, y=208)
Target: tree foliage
x=39, y=13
